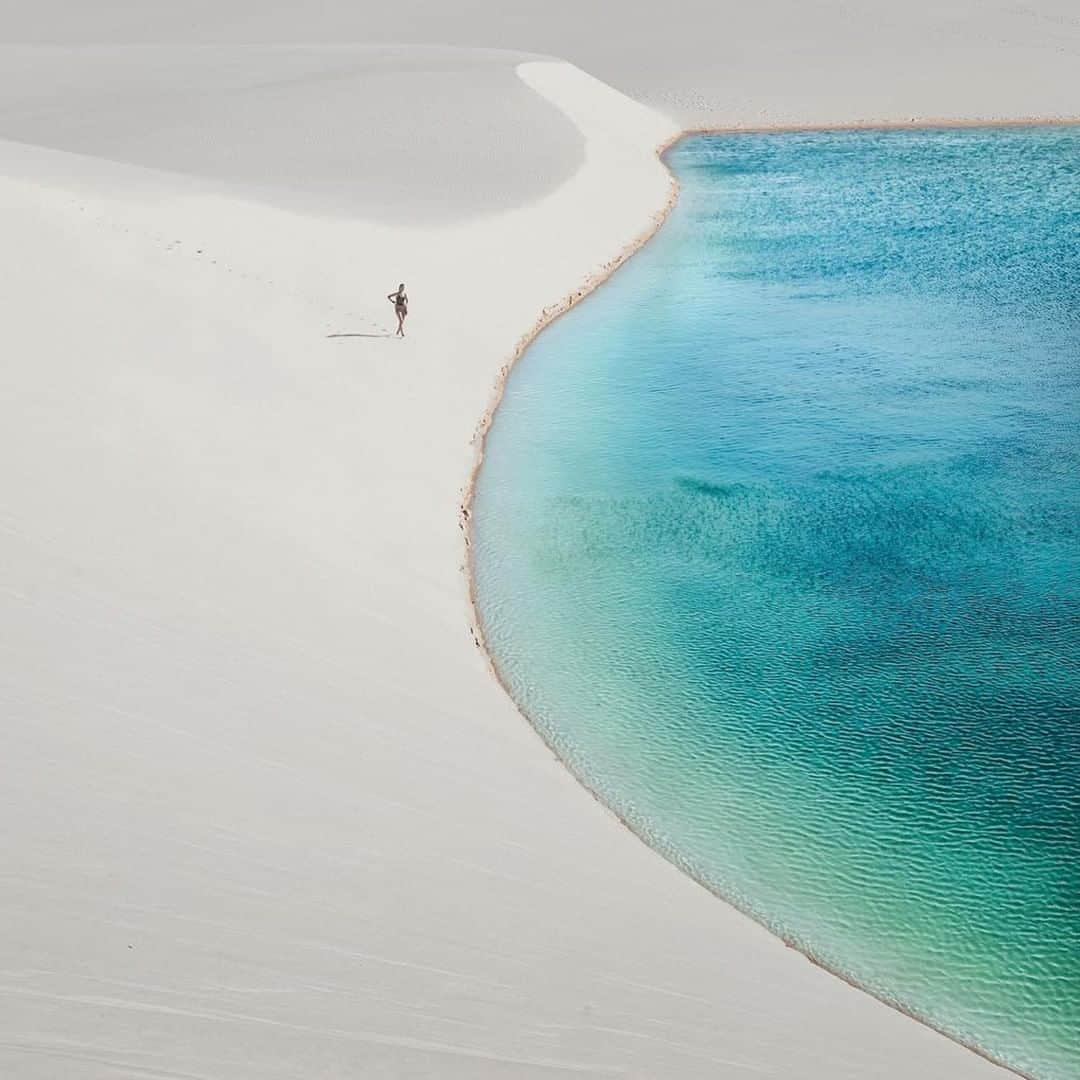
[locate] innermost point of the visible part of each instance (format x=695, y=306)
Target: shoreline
x=921, y=123
x=483, y=425
x=475, y=620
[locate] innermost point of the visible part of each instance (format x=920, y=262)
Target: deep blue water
x=777, y=544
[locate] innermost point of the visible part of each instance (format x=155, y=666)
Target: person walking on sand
x=400, y=300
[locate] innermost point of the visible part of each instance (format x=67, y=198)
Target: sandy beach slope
x=265, y=812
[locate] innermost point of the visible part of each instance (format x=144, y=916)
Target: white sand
x=707, y=62
x=265, y=812
x=380, y=132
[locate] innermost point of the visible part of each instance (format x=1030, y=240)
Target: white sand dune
x=308, y=127
x=265, y=811
x=706, y=62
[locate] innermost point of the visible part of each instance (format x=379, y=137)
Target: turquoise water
x=776, y=543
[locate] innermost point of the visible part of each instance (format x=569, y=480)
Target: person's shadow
x=385, y=334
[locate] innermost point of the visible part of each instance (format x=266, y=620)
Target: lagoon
x=776, y=544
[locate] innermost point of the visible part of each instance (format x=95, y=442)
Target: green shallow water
x=777, y=544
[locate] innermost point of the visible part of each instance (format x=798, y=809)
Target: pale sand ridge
x=709, y=63
x=308, y=127
x=265, y=812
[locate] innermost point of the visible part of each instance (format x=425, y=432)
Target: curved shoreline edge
x=479, y=441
